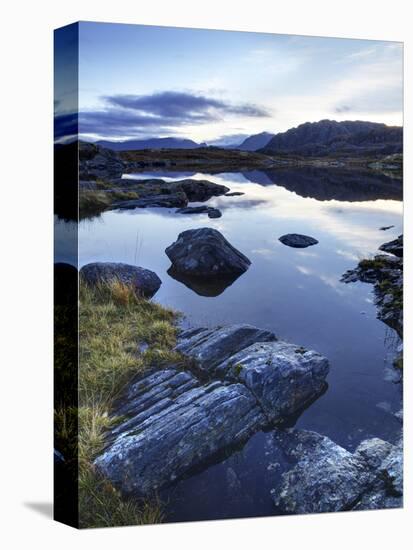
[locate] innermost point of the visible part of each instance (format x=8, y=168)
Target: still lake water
x=296, y=293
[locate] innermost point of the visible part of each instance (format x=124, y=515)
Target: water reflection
x=212, y=286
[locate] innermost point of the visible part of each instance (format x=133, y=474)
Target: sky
x=220, y=86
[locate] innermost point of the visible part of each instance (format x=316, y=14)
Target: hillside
x=331, y=138
x=152, y=143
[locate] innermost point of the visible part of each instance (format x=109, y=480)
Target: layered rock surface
x=174, y=421
x=325, y=477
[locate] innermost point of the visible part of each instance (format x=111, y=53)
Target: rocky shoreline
x=385, y=272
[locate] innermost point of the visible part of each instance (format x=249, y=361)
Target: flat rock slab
x=325, y=477
x=282, y=376
x=298, y=241
x=173, y=426
x=212, y=212
x=206, y=252
x=200, y=190
x=172, y=200
x=174, y=421
x=144, y=281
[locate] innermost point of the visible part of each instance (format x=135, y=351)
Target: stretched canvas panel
x=228, y=274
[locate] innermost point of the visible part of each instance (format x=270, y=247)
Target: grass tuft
x=113, y=322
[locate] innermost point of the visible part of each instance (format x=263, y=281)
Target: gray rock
x=172, y=431
x=171, y=200
x=212, y=212
x=211, y=347
x=205, y=252
x=386, y=227
x=282, y=376
x=325, y=477
x=144, y=281
x=173, y=421
x=394, y=247
x=200, y=190
x=298, y=241
x=234, y=194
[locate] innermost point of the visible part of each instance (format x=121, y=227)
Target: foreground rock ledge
x=206, y=252
x=325, y=477
x=144, y=281
x=174, y=421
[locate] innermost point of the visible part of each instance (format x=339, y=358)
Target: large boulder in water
x=297, y=241
x=144, y=281
x=206, y=252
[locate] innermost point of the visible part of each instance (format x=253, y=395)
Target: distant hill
x=255, y=142
x=153, y=143
x=329, y=137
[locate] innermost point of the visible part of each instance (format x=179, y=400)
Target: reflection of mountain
x=211, y=286
x=331, y=184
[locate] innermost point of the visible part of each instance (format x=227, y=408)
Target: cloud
x=162, y=111
x=65, y=126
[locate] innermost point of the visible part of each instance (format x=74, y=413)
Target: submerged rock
x=234, y=194
x=144, y=281
x=325, y=477
x=212, y=212
x=206, y=252
x=174, y=421
x=394, y=247
x=297, y=241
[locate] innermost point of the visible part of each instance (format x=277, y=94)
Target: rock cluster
x=325, y=477
x=174, y=421
x=385, y=271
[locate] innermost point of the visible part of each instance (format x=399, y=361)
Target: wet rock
x=171, y=200
x=282, y=376
x=386, y=227
x=298, y=241
x=325, y=477
x=174, y=421
x=205, y=252
x=394, y=247
x=386, y=273
x=212, y=212
x=234, y=194
x=144, y=281
x=171, y=430
x=200, y=190
x=210, y=347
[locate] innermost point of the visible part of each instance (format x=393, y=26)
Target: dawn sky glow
x=139, y=81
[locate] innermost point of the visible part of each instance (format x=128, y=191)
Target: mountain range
x=151, y=143
x=323, y=138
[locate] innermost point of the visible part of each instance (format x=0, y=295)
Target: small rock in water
x=386, y=227
x=234, y=194
x=298, y=241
